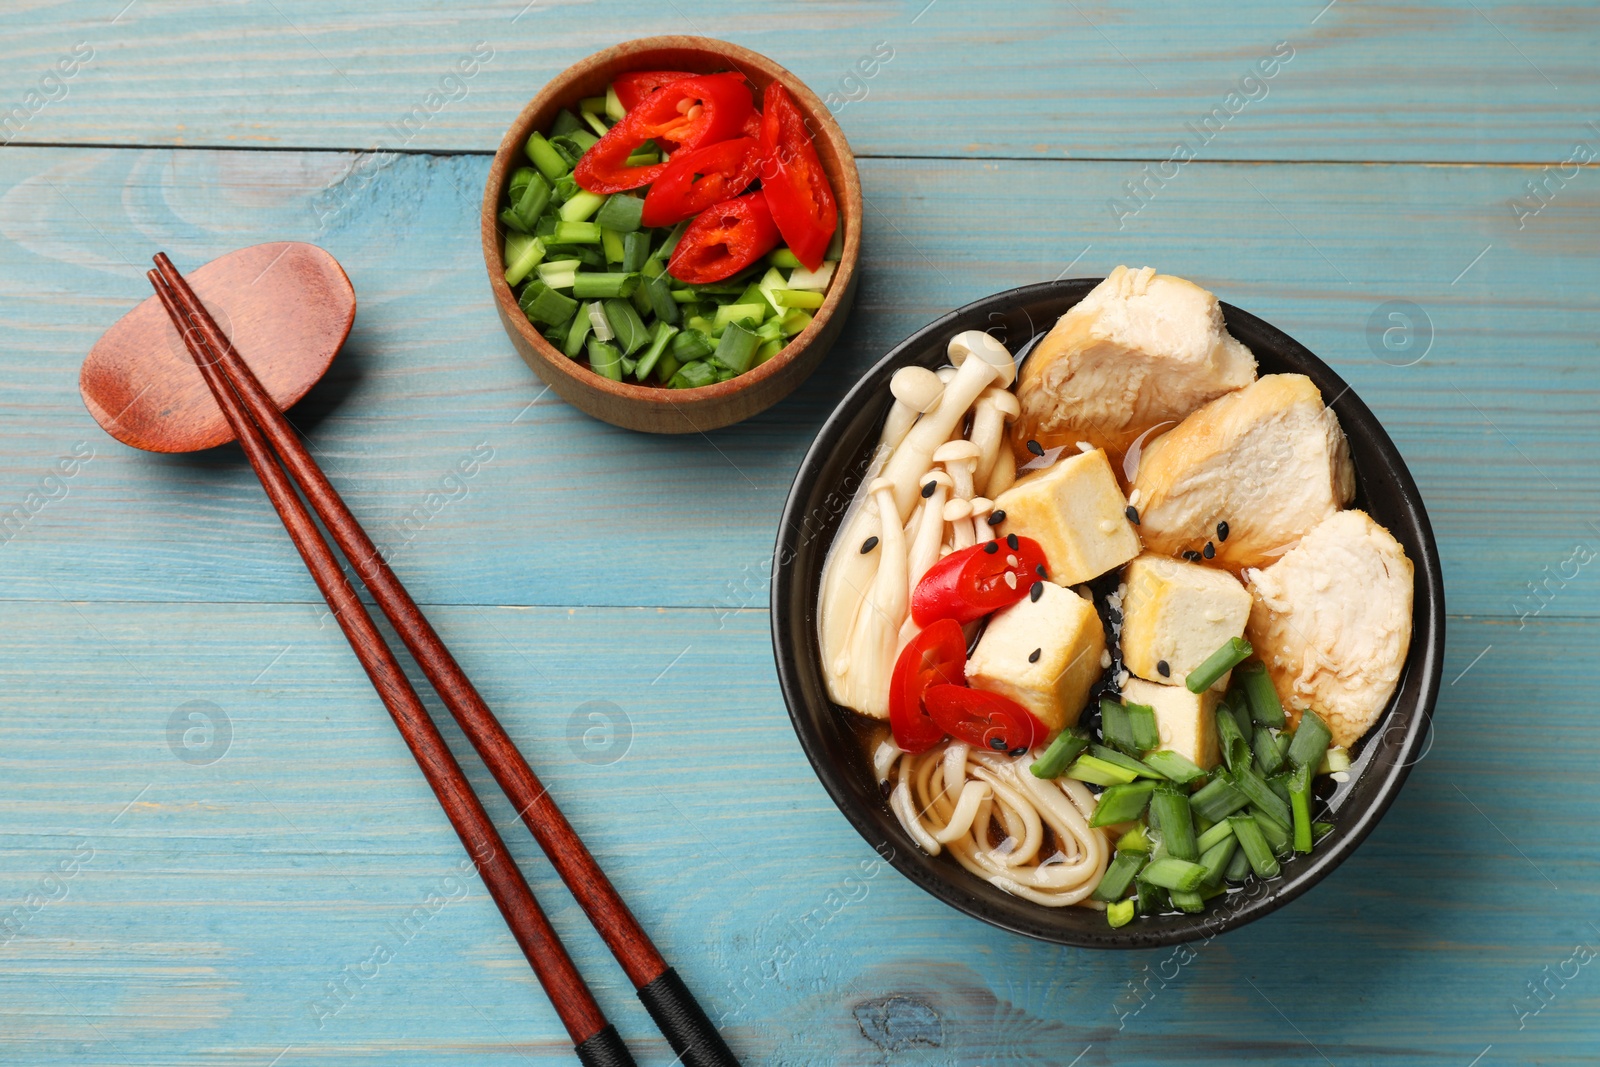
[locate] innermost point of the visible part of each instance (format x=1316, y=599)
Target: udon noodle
x=1022, y=834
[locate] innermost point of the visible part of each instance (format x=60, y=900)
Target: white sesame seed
x=1011, y=579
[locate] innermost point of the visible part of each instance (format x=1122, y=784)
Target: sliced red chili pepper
x=723, y=240
x=982, y=718
x=936, y=656
x=698, y=178
x=723, y=101
x=752, y=125
x=634, y=85
x=971, y=582
x=796, y=185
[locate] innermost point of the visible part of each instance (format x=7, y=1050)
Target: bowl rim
x=637, y=51
x=1424, y=659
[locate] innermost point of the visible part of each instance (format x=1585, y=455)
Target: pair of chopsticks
x=268, y=440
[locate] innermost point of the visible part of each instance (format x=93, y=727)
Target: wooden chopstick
x=670, y=1003
x=595, y=1039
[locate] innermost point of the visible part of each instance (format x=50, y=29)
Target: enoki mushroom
x=960, y=799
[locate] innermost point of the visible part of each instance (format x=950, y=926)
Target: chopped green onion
x=581, y=206
x=1135, y=840
x=1265, y=707
x=627, y=325
x=557, y=273
x=1189, y=902
x=1122, y=803
x=1120, y=913
x=795, y=321
x=1275, y=833
x=1238, y=868
x=546, y=305
x=1115, y=727
x=1142, y=721
x=576, y=233
x=1118, y=879
x=1319, y=830
x=836, y=245
x=1235, y=749
x=1111, y=755
x=653, y=268
x=588, y=286
x=1174, y=766
x=635, y=251
x=613, y=105
x=1220, y=662
x=1335, y=760
x=611, y=242
x=1216, y=858
x=1067, y=747
x=694, y=375
x=1261, y=795
x=1099, y=772
x=565, y=123
x=1269, y=751
x=596, y=123
x=577, y=141
x=1255, y=848
x=1208, y=840
x=1171, y=816
x=582, y=324
x=523, y=253
x=606, y=360
x=664, y=333
x=666, y=368
x=798, y=298
x=1300, y=805
x=737, y=349
x=691, y=345
x=747, y=314
x=597, y=319
x=1217, y=800
x=1311, y=739
x=1169, y=872
x=669, y=244
x=620, y=212
x=812, y=279
x=784, y=259
x=592, y=105
x=545, y=157
x=660, y=300
x=532, y=200
x=643, y=159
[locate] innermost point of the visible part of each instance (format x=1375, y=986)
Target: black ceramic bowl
x=832, y=737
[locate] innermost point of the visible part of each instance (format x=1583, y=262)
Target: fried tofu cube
x=1044, y=654
x=1176, y=614
x=1077, y=513
x=1185, y=722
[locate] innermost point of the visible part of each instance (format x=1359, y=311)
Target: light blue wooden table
x=206, y=818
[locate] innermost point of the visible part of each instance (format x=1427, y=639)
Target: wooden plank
x=1433, y=80
x=211, y=903
x=568, y=511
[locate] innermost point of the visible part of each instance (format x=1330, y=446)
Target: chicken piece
x=1332, y=622
x=1269, y=461
x=1175, y=615
x=1141, y=349
x=1186, y=723
x=1077, y=513
x=1044, y=654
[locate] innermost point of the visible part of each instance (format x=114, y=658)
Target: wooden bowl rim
x=637, y=52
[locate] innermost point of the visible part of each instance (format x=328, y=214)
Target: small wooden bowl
x=652, y=408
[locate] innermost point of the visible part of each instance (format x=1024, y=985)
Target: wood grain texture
x=1433, y=80
x=212, y=912
x=559, y=509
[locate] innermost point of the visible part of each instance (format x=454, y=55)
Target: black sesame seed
x=996, y=518
x=927, y=490
x=997, y=743
x=868, y=545
x=1036, y=448
x=1222, y=531
x=1191, y=555
x=1163, y=669
x=1036, y=592
x=1133, y=514
x=992, y=547
x=1210, y=551
x=1011, y=539
x=1033, y=657
x=1039, y=570
x=886, y=787
x=1019, y=751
